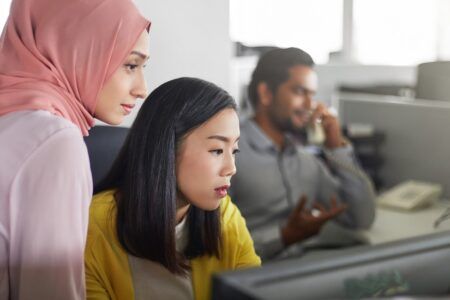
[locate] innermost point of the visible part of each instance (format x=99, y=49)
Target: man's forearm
x=356, y=188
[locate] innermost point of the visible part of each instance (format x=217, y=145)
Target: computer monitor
x=414, y=267
x=433, y=80
x=417, y=143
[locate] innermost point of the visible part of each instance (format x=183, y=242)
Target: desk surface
x=393, y=225
x=389, y=226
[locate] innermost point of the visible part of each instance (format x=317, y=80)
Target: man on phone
x=285, y=193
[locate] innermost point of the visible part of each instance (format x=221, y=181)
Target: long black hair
x=144, y=175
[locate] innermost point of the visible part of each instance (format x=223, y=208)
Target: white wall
x=4, y=12
x=187, y=38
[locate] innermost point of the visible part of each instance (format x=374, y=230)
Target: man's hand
x=331, y=126
x=302, y=223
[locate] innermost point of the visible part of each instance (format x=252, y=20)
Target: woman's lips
x=127, y=108
x=222, y=191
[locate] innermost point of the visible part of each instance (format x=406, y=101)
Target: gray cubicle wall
x=417, y=142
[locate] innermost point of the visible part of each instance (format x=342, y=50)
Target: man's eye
x=300, y=91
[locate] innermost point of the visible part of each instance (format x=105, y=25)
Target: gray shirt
x=269, y=183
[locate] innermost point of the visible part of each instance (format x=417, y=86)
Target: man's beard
x=285, y=124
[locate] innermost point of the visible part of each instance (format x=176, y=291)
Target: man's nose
x=307, y=102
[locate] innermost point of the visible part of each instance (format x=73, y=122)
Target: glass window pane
x=312, y=25
x=400, y=32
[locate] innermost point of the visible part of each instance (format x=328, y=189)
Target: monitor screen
x=414, y=267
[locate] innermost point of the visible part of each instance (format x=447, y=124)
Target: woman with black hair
x=162, y=222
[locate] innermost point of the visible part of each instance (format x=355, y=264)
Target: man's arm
x=304, y=223
x=354, y=188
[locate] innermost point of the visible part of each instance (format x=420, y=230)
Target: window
x=385, y=32
x=312, y=25
x=401, y=32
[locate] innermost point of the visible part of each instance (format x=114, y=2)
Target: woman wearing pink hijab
x=62, y=63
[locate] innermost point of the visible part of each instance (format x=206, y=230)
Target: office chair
x=433, y=81
x=104, y=144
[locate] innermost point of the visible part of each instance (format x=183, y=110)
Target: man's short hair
x=273, y=69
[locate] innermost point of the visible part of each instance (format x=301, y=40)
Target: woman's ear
x=265, y=95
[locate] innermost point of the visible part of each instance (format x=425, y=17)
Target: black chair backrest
x=104, y=144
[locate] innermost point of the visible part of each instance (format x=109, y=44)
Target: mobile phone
x=315, y=134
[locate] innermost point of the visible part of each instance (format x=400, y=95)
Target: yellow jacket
x=108, y=274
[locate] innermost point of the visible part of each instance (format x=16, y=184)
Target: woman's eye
x=216, y=151
x=236, y=151
x=131, y=67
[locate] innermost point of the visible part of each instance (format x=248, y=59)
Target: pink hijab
x=56, y=55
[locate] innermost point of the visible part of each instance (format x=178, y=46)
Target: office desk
x=393, y=225
x=389, y=226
